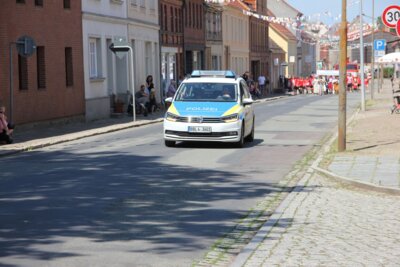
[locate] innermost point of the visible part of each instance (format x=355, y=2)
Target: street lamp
x=127, y=48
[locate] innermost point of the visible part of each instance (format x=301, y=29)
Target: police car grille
x=187, y=134
x=200, y=120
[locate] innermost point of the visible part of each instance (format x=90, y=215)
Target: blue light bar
x=213, y=73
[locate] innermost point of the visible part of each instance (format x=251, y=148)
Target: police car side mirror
x=247, y=101
x=168, y=100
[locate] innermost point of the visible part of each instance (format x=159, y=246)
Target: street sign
x=379, y=53
x=391, y=15
x=119, y=46
x=26, y=46
x=379, y=44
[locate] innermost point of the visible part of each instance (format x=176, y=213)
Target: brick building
x=214, y=46
x=49, y=84
x=171, y=26
x=258, y=32
x=193, y=35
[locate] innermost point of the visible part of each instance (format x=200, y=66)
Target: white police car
x=210, y=106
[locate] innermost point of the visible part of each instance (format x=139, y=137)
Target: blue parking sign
x=380, y=44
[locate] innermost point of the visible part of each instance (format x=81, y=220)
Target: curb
x=359, y=184
x=40, y=143
x=249, y=249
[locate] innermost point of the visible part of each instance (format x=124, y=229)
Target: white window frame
x=93, y=66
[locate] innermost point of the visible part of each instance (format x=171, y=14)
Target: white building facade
x=235, y=30
x=143, y=35
x=106, y=76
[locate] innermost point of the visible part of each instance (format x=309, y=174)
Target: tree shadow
x=48, y=197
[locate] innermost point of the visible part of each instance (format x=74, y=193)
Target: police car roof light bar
x=213, y=73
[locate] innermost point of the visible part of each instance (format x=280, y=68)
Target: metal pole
x=342, y=79
x=133, y=86
x=11, y=85
x=373, y=52
x=362, y=58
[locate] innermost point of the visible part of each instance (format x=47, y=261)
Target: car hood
x=205, y=109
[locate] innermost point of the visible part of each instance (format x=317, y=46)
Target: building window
x=172, y=18
x=134, y=2
x=69, y=71
x=148, y=61
x=143, y=3
x=41, y=67
x=23, y=72
x=20, y=1
x=38, y=2
x=166, y=18
x=67, y=4
x=95, y=58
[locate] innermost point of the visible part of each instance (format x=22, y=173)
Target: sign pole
x=373, y=51
x=342, y=79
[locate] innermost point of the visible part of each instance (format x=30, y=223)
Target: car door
x=248, y=109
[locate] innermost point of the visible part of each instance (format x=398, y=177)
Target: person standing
x=171, y=89
x=262, y=83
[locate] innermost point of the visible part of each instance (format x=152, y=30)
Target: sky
x=328, y=11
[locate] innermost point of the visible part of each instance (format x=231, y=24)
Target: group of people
x=322, y=84
x=257, y=88
x=145, y=98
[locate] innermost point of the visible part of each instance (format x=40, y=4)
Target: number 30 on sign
x=391, y=15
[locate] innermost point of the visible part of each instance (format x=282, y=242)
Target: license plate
x=199, y=129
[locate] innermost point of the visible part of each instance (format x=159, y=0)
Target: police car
x=211, y=106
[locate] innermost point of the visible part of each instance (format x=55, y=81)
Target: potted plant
x=118, y=106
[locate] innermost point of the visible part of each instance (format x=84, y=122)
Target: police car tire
x=240, y=143
x=250, y=137
x=169, y=143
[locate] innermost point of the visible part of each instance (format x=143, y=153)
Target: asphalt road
x=124, y=199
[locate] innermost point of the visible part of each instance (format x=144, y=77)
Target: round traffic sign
x=391, y=15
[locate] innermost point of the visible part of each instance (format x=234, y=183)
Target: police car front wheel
x=169, y=143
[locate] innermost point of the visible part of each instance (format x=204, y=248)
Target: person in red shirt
x=349, y=81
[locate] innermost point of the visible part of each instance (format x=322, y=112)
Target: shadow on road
x=47, y=198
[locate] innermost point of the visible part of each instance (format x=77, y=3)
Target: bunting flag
x=317, y=32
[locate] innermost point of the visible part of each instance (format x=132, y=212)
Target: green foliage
x=388, y=72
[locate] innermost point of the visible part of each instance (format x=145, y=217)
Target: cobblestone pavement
x=327, y=224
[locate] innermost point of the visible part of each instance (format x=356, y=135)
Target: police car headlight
x=230, y=118
x=171, y=117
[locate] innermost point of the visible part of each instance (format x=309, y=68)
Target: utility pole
x=362, y=57
x=373, y=51
x=342, y=80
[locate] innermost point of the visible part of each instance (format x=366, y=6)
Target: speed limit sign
x=391, y=15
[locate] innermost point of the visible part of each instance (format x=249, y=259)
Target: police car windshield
x=207, y=92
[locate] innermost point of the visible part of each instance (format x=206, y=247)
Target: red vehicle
x=352, y=68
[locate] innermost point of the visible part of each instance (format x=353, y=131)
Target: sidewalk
x=372, y=156
x=28, y=138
